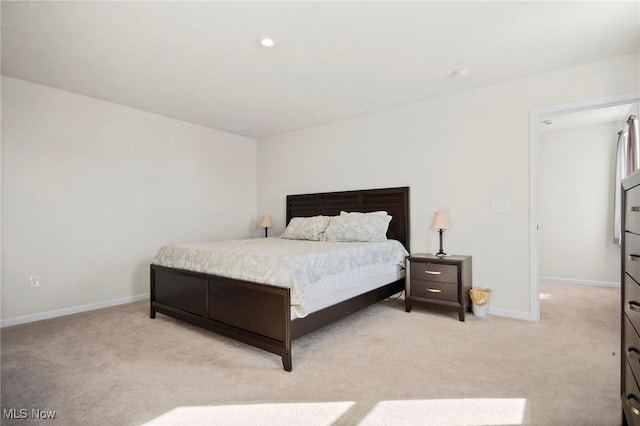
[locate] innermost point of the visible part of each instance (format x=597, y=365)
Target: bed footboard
x=256, y=314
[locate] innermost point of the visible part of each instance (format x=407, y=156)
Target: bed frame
x=260, y=314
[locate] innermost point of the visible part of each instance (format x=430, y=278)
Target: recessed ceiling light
x=460, y=73
x=267, y=41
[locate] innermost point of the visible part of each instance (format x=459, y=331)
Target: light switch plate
x=500, y=206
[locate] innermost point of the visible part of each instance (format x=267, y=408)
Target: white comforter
x=277, y=261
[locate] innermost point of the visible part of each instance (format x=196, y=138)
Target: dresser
x=440, y=281
x=630, y=315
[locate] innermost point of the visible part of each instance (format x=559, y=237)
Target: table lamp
x=440, y=222
x=266, y=223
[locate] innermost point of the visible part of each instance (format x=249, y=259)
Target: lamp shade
x=266, y=221
x=440, y=220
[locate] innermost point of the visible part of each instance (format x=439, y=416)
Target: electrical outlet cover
x=34, y=281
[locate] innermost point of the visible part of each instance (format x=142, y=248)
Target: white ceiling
x=201, y=61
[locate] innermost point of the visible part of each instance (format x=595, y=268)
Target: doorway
x=578, y=110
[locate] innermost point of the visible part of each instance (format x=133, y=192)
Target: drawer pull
x=633, y=354
x=634, y=306
x=434, y=290
x=634, y=257
x=634, y=209
x=432, y=272
x=634, y=404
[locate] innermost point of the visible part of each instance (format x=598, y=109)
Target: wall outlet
x=34, y=281
x=500, y=206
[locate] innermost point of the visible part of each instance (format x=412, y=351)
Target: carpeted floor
x=380, y=366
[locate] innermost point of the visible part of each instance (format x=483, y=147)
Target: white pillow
x=306, y=228
x=383, y=213
x=357, y=227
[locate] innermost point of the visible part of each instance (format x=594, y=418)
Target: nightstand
x=442, y=281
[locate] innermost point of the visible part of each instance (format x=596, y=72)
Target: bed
x=260, y=314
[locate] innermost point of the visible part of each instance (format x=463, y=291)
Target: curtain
x=627, y=162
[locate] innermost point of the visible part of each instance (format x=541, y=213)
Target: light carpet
x=116, y=366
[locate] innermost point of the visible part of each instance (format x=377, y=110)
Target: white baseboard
x=581, y=282
x=72, y=310
x=527, y=316
x=510, y=314
x=114, y=302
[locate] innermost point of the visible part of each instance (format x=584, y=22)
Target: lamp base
x=440, y=252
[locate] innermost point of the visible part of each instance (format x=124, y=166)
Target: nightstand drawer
x=434, y=290
x=429, y=271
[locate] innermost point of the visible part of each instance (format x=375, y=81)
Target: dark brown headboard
x=395, y=201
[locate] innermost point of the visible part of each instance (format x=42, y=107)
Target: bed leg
x=152, y=312
x=286, y=361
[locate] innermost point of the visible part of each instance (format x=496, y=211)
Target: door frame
x=535, y=116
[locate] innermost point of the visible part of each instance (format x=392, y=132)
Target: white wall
x=91, y=189
x=457, y=153
x=577, y=178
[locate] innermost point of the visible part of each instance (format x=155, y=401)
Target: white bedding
x=347, y=284
x=295, y=264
